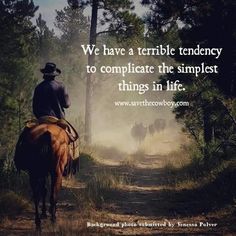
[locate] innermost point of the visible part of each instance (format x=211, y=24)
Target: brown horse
x=45, y=152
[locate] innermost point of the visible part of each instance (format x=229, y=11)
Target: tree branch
x=106, y=32
x=227, y=111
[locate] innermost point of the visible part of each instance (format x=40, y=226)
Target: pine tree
x=73, y=25
x=209, y=24
x=16, y=71
x=46, y=41
x=119, y=21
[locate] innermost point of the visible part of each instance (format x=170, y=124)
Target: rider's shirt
x=50, y=99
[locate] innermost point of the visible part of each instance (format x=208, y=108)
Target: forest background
x=208, y=125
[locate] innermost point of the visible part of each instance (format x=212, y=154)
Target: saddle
x=64, y=124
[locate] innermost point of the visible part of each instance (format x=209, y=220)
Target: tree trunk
x=207, y=126
x=207, y=132
x=91, y=62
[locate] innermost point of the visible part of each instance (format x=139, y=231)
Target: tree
x=17, y=57
x=46, y=40
x=209, y=24
x=73, y=25
x=119, y=21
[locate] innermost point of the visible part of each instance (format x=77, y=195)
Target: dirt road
x=147, y=205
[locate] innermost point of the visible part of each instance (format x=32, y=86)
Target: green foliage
x=119, y=21
x=127, y=27
x=210, y=24
x=73, y=26
x=17, y=59
x=14, y=189
x=116, y=17
x=11, y=204
x=46, y=41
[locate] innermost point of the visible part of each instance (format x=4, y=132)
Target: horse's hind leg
x=56, y=181
x=36, y=196
x=52, y=208
x=37, y=218
x=44, y=195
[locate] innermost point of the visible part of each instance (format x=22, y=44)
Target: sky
x=47, y=9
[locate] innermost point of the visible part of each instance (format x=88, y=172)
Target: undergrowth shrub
x=12, y=203
x=101, y=183
x=195, y=169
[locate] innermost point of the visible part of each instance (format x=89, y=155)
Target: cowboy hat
x=51, y=69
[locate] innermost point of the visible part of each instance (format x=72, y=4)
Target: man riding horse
x=50, y=96
x=44, y=145
x=49, y=101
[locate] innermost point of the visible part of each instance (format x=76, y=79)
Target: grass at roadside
x=98, y=180
x=12, y=203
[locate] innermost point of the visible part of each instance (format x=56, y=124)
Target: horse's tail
x=45, y=149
